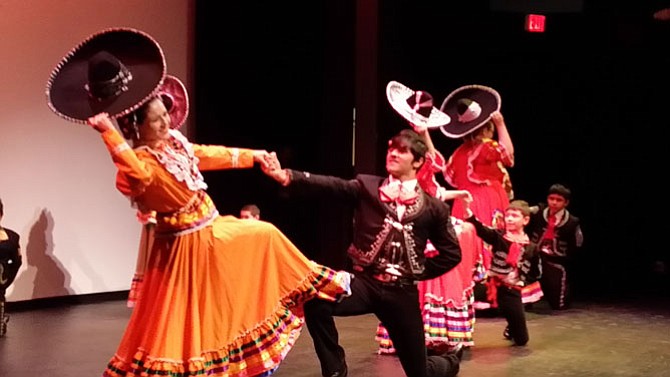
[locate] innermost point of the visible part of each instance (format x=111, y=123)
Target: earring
x=136, y=129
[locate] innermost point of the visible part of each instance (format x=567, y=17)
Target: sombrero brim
x=139, y=52
x=173, y=91
x=487, y=98
x=397, y=95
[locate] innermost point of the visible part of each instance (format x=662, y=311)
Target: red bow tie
x=395, y=193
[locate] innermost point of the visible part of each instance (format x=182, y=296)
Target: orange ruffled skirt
x=220, y=301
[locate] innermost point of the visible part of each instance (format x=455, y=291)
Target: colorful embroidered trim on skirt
x=252, y=354
x=442, y=325
x=255, y=353
x=531, y=293
x=135, y=289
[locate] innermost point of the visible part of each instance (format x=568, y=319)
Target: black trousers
x=9, y=267
x=511, y=307
x=397, y=307
x=555, y=284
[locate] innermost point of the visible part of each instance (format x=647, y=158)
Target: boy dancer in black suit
x=515, y=263
x=559, y=234
x=393, y=219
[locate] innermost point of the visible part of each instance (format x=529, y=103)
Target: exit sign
x=535, y=23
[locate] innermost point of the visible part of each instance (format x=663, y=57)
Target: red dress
x=481, y=169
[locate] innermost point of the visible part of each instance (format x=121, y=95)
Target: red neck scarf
x=514, y=252
x=551, y=224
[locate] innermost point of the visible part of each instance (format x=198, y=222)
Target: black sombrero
x=469, y=107
x=415, y=106
x=114, y=71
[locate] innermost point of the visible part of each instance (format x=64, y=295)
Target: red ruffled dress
x=481, y=168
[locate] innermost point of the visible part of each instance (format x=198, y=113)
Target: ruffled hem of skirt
x=257, y=352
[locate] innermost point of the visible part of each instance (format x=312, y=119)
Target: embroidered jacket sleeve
x=531, y=265
x=444, y=239
x=133, y=173
x=579, y=236
x=214, y=157
x=347, y=189
x=490, y=235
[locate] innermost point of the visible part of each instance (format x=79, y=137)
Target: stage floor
x=600, y=339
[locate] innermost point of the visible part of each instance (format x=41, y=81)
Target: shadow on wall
x=43, y=272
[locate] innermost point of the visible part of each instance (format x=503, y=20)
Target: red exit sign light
x=535, y=23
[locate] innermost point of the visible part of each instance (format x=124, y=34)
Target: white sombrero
x=415, y=106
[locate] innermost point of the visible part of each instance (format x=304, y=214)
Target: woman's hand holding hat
x=101, y=122
x=421, y=130
x=497, y=118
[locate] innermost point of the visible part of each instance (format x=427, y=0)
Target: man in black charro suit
x=393, y=219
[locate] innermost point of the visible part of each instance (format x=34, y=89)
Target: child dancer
x=515, y=264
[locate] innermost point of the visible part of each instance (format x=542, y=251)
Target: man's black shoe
x=340, y=373
x=506, y=334
x=457, y=350
x=438, y=349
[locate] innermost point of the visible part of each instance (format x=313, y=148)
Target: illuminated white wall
x=78, y=234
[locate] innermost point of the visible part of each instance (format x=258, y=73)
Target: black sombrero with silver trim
x=114, y=71
x=469, y=107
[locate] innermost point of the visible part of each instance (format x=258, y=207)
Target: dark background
x=584, y=102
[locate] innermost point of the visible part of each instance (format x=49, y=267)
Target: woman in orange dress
x=219, y=296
